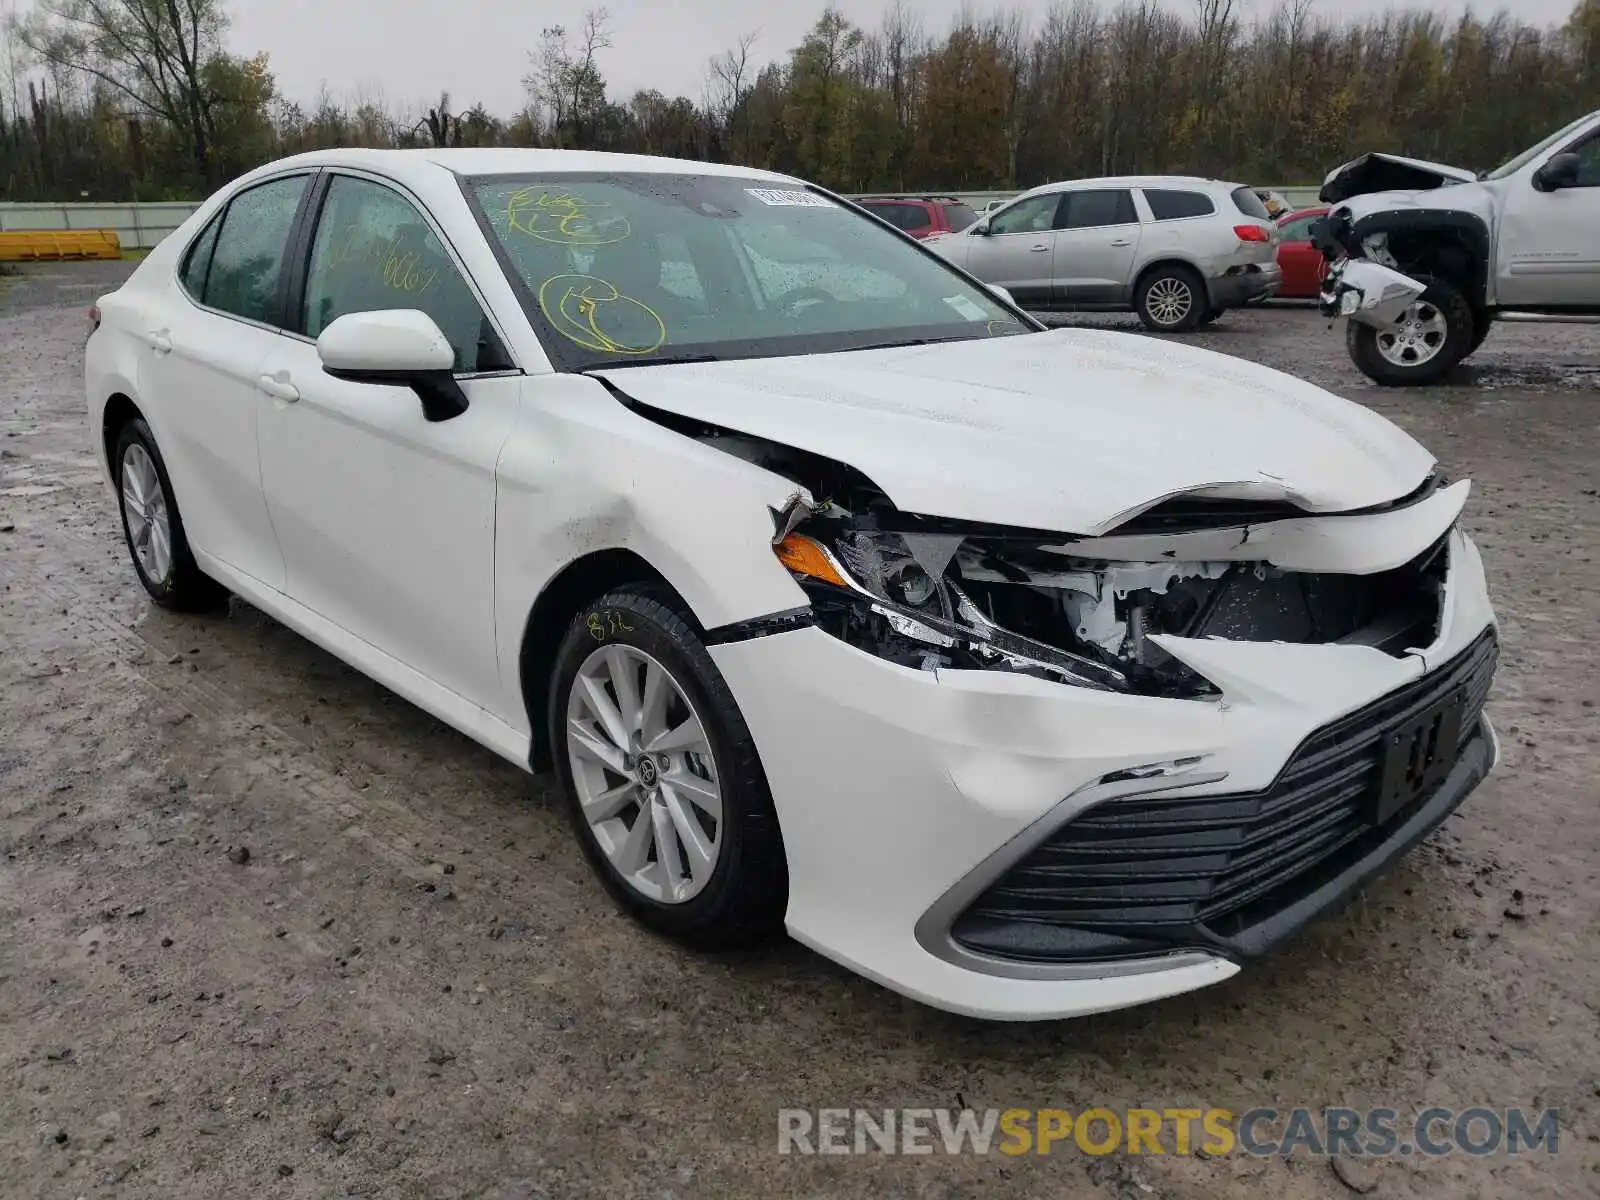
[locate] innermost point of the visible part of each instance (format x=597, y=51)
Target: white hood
x=1073, y=431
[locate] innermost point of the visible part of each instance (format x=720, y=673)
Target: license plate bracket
x=1418, y=756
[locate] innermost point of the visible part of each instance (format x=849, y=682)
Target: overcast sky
x=477, y=50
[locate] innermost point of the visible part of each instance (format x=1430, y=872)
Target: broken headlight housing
x=877, y=591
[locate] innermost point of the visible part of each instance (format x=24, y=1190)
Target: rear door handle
x=159, y=341
x=279, y=387
x=1038, y=249
x=1122, y=242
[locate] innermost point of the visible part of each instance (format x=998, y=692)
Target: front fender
x=1369, y=293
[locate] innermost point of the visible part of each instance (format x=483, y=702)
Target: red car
x=923, y=218
x=1302, y=263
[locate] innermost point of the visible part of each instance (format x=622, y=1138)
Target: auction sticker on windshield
x=780, y=197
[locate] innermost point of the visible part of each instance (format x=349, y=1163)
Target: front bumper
x=1244, y=284
x=904, y=794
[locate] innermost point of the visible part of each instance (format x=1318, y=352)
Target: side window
x=1175, y=206
x=1588, y=162
x=1094, y=209
x=903, y=216
x=959, y=216
x=1036, y=214
x=198, y=263
x=247, y=262
x=374, y=251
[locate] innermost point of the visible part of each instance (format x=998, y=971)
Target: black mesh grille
x=1156, y=867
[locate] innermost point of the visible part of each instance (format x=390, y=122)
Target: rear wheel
x=153, y=527
x=1171, y=300
x=664, y=786
x=1424, y=346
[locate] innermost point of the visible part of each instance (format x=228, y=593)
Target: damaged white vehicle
x=1426, y=257
x=1029, y=673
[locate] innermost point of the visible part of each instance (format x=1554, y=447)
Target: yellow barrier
x=45, y=245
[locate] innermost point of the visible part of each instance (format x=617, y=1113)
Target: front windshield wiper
x=661, y=360
x=922, y=341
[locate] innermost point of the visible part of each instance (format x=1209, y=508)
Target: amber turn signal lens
x=804, y=557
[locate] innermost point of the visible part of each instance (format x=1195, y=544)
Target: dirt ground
x=414, y=988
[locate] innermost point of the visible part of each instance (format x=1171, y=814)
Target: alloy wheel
x=144, y=503
x=1169, y=301
x=644, y=773
x=1417, y=339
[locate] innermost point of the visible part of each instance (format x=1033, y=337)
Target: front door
x=1549, y=242
x=1018, y=252
x=386, y=519
x=1096, y=246
x=206, y=342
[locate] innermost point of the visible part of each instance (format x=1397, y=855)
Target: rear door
x=1018, y=252
x=1303, y=264
x=1096, y=246
x=200, y=377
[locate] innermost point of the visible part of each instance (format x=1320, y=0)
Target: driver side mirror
x=1560, y=172
x=981, y=227
x=401, y=347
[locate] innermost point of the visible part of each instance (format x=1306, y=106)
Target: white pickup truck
x=1425, y=257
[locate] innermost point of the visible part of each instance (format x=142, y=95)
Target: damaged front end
x=1057, y=608
x=1369, y=293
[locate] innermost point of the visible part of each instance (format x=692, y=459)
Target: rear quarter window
x=959, y=216
x=1168, y=205
x=1247, y=202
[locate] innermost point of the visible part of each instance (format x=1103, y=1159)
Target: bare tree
x=152, y=52
x=728, y=86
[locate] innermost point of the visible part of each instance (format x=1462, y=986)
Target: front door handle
x=159, y=341
x=1122, y=242
x=279, y=387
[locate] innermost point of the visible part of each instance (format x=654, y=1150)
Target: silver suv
x=1178, y=251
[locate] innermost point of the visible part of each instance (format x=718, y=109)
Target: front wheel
x=663, y=783
x=1424, y=346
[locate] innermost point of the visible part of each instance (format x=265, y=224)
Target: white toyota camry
x=1030, y=673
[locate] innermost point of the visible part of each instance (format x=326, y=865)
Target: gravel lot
x=414, y=988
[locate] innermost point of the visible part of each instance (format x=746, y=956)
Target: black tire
x=1457, y=342
x=1480, y=330
x=745, y=898
x=1173, y=279
x=183, y=587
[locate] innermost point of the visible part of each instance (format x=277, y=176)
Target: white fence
x=140, y=226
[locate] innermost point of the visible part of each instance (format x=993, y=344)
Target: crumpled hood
x=1474, y=199
x=1389, y=173
x=1073, y=431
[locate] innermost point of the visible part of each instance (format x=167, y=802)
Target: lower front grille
x=1161, y=871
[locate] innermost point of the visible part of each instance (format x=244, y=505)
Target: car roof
x=1133, y=181
x=413, y=165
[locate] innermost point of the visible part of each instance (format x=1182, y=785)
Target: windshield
x=1527, y=156
x=616, y=269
